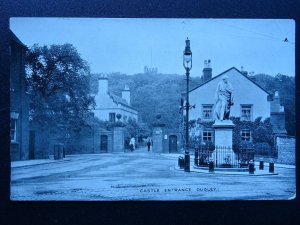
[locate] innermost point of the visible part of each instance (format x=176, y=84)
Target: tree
x=58, y=81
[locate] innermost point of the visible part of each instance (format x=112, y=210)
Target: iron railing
x=224, y=157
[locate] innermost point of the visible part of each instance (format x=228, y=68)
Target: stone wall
x=118, y=139
x=157, y=139
x=286, y=150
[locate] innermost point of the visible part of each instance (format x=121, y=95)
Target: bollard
x=271, y=167
x=196, y=157
x=186, y=163
x=180, y=162
x=211, y=166
x=251, y=167
x=261, y=164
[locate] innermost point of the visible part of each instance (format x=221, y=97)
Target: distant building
x=250, y=101
x=108, y=105
x=151, y=70
x=19, y=119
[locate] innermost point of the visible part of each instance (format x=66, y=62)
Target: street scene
x=152, y=109
x=141, y=175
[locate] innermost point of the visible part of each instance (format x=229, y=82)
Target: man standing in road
x=132, y=143
x=149, y=143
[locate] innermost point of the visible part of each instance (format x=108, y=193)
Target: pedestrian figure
x=132, y=144
x=148, y=143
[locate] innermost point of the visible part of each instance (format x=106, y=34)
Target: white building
x=250, y=101
x=108, y=105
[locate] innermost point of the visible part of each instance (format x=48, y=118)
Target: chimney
x=275, y=104
x=244, y=71
x=277, y=116
x=207, y=71
x=126, y=94
x=103, y=84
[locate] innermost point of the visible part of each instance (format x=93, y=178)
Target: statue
x=224, y=99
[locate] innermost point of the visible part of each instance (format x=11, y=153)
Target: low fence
x=224, y=157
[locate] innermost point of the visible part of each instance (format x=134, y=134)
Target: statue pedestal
x=223, y=133
x=223, y=153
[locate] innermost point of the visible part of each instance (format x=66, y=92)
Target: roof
x=226, y=72
x=120, y=100
x=16, y=39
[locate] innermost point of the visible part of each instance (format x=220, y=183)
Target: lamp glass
x=187, y=58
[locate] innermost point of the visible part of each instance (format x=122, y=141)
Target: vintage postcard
x=106, y=109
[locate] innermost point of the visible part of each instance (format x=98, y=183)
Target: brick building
x=19, y=124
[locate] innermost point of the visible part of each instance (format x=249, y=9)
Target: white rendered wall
x=244, y=92
x=106, y=105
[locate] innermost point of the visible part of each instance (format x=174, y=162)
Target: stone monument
x=223, y=125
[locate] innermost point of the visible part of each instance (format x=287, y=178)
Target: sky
x=127, y=45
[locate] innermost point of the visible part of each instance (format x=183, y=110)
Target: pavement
x=139, y=175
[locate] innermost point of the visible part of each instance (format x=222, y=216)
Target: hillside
x=160, y=93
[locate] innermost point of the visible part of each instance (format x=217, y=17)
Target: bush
x=263, y=148
x=208, y=145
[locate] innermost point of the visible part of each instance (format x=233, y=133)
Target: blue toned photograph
x=134, y=109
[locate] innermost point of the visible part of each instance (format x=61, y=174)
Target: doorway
x=103, y=143
x=173, y=144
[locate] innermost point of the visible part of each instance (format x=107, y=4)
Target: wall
x=286, y=150
x=245, y=92
x=41, y=141
x=19, y=101
x=157, y=139
x=103, y=114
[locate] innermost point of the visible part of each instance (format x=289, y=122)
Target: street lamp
x=187, y=64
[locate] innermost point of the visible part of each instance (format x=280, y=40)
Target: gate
x=103, y=143
x=173, y=144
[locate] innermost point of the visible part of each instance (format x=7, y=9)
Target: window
x=246, y=135
x=13, y=130
x=207, y=135
x=207, y=111
x=112, y=117
x=246, y=112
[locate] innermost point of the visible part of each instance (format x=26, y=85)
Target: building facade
x=250, y=102
x=108, y=105
x=19, y=119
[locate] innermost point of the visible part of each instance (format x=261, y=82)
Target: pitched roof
x=117, y=99
x=226, y=72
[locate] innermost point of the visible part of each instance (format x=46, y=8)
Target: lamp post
x=187, y=64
